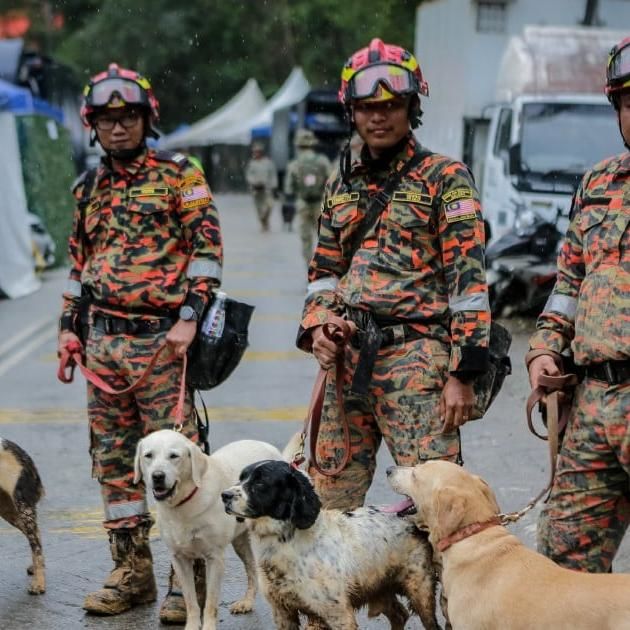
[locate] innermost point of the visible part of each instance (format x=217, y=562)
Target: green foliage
x=198, y=54
x=48, y=172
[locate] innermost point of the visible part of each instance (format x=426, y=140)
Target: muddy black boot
x=173, y=608
x=131, y=582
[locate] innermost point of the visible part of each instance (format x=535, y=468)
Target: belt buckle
x=153, y=325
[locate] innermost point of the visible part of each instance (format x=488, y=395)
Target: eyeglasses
x=107, y=123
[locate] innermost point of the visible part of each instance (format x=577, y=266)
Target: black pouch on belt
x=372, y=339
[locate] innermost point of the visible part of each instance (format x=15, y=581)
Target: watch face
x=187, y=313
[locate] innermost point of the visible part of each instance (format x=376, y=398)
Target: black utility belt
x=111, y=325
x=611, y=372
x=390, y=335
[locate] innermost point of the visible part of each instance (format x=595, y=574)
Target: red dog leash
x=339, y=331
x=72, y=356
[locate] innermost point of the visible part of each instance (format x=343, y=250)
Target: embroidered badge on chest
x=337, y=200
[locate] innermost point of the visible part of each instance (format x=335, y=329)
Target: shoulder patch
x=337, y=200
x=171, y=156
x=460, y=210
x=195, y=192
x=457, y=193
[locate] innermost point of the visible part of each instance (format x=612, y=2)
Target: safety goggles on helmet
x=395, y=79
x=105, y=92
x=618, y=71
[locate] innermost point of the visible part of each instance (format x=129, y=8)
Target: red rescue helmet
x=380, y=72
x=618, y=70
x=118, y=87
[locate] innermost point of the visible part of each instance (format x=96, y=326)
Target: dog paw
x=242, y=606
x=37, y=587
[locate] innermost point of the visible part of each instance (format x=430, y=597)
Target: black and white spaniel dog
x=325, y=564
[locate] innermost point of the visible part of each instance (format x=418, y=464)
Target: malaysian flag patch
x=460, y=210
x=196, y=195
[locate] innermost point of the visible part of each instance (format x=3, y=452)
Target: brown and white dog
x=20, y=490
x=325, y=564
x=492, y=581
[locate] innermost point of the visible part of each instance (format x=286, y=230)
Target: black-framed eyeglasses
x=127, y=121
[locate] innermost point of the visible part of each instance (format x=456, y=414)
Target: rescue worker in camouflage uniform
x=415, y=284
x=584, y=521
x=304, y=181
x=262, y=179
x=146, y=249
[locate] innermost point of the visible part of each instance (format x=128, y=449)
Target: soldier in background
x=305, y=180
x=262, y=179
x=588, y=512
x=412, y=280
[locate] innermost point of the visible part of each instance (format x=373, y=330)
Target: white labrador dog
x=187, y=485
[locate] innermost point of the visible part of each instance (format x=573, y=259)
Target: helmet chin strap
x=126, y=155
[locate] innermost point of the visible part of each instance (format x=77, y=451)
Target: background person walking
x=262, y=179
x=304, y=181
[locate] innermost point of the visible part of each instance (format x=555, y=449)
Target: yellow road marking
x=216, y=414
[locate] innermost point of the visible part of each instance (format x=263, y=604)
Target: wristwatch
x=188, y=313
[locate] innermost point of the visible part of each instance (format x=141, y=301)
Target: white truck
x=525, y=109
x=551, y=122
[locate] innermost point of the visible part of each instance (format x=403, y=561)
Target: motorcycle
x=521, y=266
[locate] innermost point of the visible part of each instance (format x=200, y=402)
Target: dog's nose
x=158, y=477
x=227, y=495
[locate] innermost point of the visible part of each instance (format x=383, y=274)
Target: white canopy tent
x=292, y=91
x=247, y=102
x=17, y=265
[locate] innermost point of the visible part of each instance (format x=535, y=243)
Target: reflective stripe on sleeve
x=562, y=304
x=115, y=511
x=329, y=283
x=204, y=269
x=73, y=287
x=472, y=302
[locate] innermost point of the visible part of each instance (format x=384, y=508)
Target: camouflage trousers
x=118, y=422
x=308, y=212
x=402, y=408
x=264, y=204
x=582, y=525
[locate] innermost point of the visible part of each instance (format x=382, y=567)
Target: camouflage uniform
x=262, y=179
x=419, y=274
x=148, y=237
x=305, y=175
x=587, y=515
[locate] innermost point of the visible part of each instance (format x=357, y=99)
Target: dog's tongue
x=396, y=508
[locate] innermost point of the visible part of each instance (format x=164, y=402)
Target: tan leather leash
x=72, y=356
x=339, y=331
x=548, y=393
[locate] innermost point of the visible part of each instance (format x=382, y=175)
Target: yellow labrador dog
x=492, y=581
x=187, y=485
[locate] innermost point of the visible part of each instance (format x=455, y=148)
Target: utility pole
x=590, y=13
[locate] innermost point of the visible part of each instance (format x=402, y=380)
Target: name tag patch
x=337, y=200
x=148, y=191
x=407, y=196
x=457, y=193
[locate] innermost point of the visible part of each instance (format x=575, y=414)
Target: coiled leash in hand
x=339, y=331
x=72, y=356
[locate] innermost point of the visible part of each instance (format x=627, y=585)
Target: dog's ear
x=488, y=494
x=449, y=507
x=137, y=469
x=199, y=463
x=306, y=505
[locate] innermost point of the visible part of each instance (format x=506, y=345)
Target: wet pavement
x=265, y=399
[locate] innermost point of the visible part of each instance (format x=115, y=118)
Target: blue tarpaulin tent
x=20, y=101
